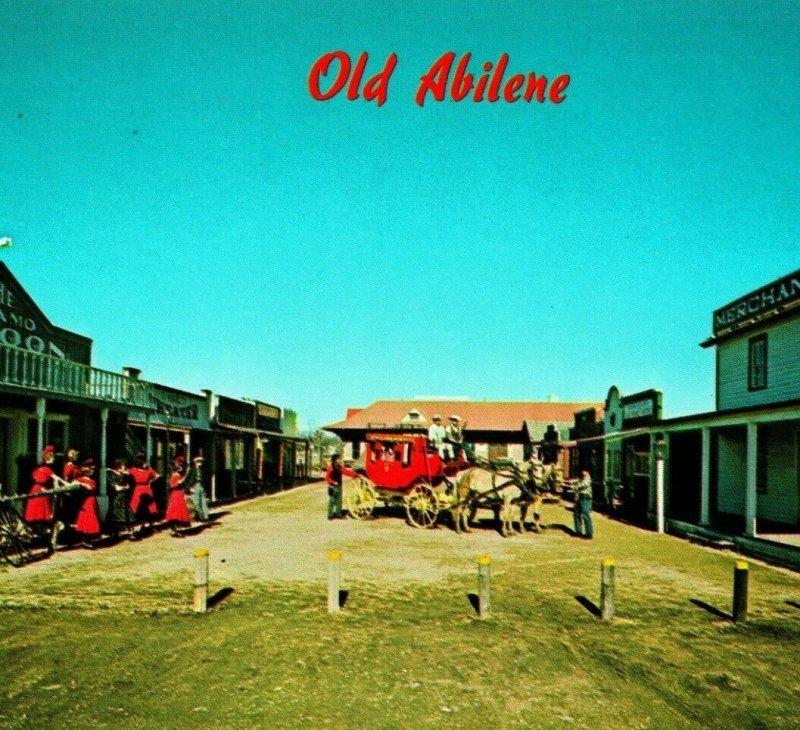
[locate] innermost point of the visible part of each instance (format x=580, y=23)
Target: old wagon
x=402, y=471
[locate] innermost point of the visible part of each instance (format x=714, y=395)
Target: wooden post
x=484, y=592
x=740, y=575
x=200, y=598
x=607, y=570
x=334, y=576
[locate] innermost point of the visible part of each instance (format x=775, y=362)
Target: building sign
x=175, y=408
x=232, y=412
x=641, y=409
x=780, y=293
x=637, y=409
x=268, y=418
x=631, y=411
x=22, y=324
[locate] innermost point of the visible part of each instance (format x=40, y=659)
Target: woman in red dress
x=143, y=504
x=177, y=513
x=87, y=524
x=71, y=469
x=39, y=510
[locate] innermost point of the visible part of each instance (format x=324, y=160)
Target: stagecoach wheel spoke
x=361, y=499
x=422, y=506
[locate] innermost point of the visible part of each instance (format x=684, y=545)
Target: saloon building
x=496, y=429
x=51, y=394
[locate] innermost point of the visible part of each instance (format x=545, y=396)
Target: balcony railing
x=52, y=375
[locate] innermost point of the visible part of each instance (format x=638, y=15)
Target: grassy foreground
x=108, y=653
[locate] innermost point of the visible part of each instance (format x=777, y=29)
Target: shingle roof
x=479, y=415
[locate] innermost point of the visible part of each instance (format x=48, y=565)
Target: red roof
x=478, y=415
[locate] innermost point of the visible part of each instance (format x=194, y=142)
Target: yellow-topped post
x=484, y=590
x=334, y=578
x=607, y=578
x=741, y=572
x=200, y=595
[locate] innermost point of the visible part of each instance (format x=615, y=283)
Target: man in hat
x=455, y=436
x=437, y=435
x=195, y=482
x=333, y=478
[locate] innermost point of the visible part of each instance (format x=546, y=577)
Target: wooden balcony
x=52, y=376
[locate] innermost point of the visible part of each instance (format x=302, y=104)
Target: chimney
x=130, y=372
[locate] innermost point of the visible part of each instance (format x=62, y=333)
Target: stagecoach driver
x=455, y=436
x=437, y=435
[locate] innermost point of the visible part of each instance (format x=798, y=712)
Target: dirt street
x=287, y=536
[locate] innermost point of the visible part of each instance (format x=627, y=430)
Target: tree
x=324, y=443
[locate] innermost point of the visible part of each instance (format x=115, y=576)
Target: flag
x=5, y=241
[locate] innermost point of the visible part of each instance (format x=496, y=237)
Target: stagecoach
x=402, y=471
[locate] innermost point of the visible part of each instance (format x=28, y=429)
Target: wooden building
x=51, y=394
x=496, y=429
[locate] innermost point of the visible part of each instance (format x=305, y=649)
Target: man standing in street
x=582, y=512
x=333, y=478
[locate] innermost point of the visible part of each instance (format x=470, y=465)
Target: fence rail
x=33, y=370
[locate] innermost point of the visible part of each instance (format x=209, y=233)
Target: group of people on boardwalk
x=71, y=500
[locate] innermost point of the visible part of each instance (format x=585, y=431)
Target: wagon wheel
x=361, y=499
x=422, y=506
x=14, y=539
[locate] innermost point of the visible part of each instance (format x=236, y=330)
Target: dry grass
x=96, y=640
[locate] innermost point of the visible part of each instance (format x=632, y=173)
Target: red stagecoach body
x=402, y=470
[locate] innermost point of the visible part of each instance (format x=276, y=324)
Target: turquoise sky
x=175, y=193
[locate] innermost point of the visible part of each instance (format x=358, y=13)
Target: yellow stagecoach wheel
x=361, y=499
x=422, y=506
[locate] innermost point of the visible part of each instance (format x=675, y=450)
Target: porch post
x=659, y=448
x=750, y=504
x=102, y=497
x=147, y=447
x=41, y=410
x=705, y=476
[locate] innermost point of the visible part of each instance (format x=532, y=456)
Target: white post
x=102, y=498
x=334, y=580
x=40, y=415
x=484, y=586
x=705, y=477
x=750, y=504
x=659, y=453
x=200, y=594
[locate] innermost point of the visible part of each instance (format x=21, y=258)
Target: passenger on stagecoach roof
x=437, y=434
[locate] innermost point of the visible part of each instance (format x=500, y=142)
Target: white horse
x=511, y=491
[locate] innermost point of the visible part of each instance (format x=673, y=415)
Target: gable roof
x=478, y=415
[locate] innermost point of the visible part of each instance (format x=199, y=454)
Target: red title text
x=448, y=77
